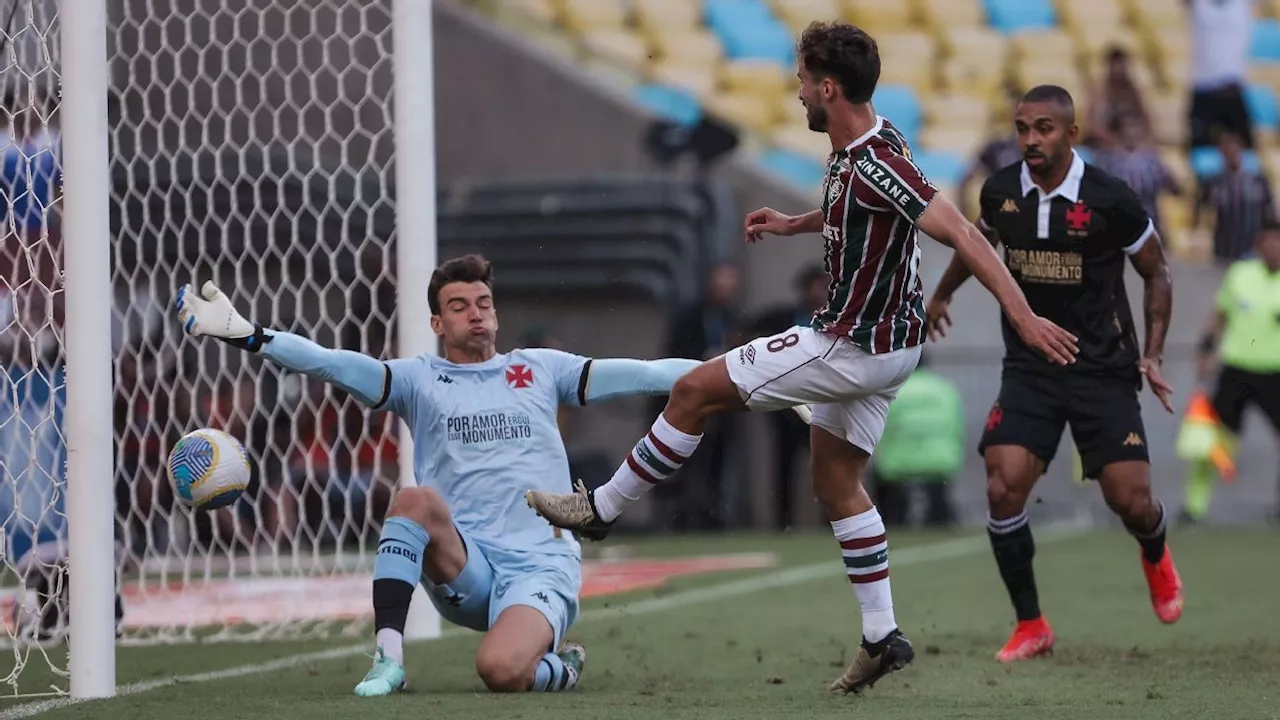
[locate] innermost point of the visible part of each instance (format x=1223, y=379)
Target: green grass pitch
x=765, y=644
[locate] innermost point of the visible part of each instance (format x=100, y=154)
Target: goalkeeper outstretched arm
x=211, y=313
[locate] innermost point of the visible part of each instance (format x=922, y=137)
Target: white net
x=251, y=144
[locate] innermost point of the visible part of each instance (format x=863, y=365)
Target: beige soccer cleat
x=575, y=512
x=874, y=661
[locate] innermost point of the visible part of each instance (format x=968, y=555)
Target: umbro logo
x=1009, y=206
x=444, y=379
x=1133, y=440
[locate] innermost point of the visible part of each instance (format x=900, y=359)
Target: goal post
x=256, y=144
x=87, y=285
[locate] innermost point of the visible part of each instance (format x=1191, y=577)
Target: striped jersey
x=872, y=197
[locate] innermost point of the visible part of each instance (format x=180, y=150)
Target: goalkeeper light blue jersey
x=484, y=433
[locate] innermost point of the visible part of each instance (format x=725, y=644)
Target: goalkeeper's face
x=467, y=323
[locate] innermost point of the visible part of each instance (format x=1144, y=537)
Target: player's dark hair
x=1054, y=94
x=843, y=53
x=465, y=269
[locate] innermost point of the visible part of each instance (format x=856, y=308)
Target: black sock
x=1014, y=549
x=391, y=604
x=1152, y=539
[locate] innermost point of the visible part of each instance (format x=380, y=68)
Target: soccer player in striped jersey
x=849, y=362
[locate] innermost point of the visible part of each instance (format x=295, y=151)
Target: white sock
x=655, y=458
x=392, y=643
x=866, y=560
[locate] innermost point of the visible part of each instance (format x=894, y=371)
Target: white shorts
x=848, y=388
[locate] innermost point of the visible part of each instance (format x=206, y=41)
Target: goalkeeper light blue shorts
x=495, y=579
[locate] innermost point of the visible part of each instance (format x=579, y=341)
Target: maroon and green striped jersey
x=872, y=197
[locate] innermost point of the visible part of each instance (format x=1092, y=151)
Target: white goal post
x=253, y=143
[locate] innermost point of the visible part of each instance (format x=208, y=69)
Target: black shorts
x=1103, y=412
x=1237, y=388
x=1221, y=109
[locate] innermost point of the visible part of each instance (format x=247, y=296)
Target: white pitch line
x=913, y=555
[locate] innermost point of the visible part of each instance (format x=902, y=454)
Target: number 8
x=782, y=343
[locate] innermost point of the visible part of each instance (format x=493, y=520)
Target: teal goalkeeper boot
x=385, y=677
x=574, y=657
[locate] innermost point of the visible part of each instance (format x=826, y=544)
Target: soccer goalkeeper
x=484, y=428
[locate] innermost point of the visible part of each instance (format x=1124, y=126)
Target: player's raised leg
x=1126, y=486
x=837, y=469
x=1012, y=471
x=418, y=538
x=674, y=436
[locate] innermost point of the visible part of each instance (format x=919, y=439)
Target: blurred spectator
x=1135, y=160
x=1114, y=96
x=1000, y=151
x=922, y=449
x=702, y=331
x=1245, y=330
x=790, y=433
x=1220, y=32
x=1240, y=199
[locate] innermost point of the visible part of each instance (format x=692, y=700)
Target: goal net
x=250, y=144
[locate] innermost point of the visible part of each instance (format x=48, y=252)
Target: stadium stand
x=948, y=68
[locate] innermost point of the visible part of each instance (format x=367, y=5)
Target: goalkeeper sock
x=1199, y=490
x=866, y=560
x=397, y=568
x=655, y=458
x=1015, y=549
x=553, y=675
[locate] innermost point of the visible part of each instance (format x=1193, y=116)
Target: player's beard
x=817, y=117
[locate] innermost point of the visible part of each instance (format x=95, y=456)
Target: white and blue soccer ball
x=209, y=469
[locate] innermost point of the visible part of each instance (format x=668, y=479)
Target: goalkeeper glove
x=211, y=313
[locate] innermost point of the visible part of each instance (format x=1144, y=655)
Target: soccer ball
x=208, y=468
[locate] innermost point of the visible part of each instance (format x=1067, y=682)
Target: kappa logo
x=543, y=597
x=444, y=379
x=1133, y=440
x=1009, y=206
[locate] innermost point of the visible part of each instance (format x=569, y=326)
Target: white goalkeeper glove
x=211, y=313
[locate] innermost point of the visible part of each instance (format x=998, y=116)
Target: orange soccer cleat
x=1165, y=586
x=1030, y=639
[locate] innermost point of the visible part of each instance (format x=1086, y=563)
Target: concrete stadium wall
x=508, y=108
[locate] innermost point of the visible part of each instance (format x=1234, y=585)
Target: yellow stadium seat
x=758, y=77
x=1168, y=113
x=1158, y=13
x=618, y=44
x=1090, y=15
x=1266, y=73
x=667, y=15
x=907, y=46
x=972, y=74
x=581, y=16
x=1045, y=46
x=543, y=11
x=1095, y=45
x=797, y=14
x=975, y=42
x=747, y=110
x=957, y=109
x=688, y=46
x=699, y=79
x=878, y=16
x=799, y=138
x=917, y=76
x=964, y=140
x=1028, y=74
x=950, y=14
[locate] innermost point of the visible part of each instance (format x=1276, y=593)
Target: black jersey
x=1067, y=250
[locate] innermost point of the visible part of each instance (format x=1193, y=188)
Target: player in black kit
x=1067, y=228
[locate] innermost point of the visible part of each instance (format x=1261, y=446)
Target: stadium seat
x=908, y=58
x=702, y=80
x=940, y=167
x=963, y=140
x=763, y=40
x=1265, y=43
x=581, y=16
x=689, y=47
x=901, y=107
x=1088, y=16
x=802, y=171
x=1010, y=16
x=1158, y=13
x=722, y=14
x=670, y=103
x=956, y=109
x=800, y=139
x=762, y=78
x=879, y=16
x=618, y=44
x=797, y=14
x=944, y=15
x=667, y=15
x=1168, y=113
x=1045, y=46
x=542, y=11
x=745, y=109
x=1262, y=106
x=1207, y=161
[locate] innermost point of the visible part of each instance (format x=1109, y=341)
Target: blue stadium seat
x=670, y=103
x=1207, y=161
x=1265, y=44
x=723, y=14
x=802, y=171
x=762, y=40
x=940, y=167
x=1263, y=107
x=898, y=103
x=1010, y=16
